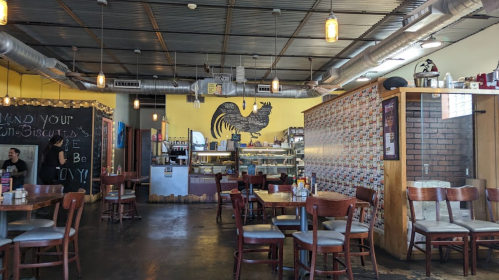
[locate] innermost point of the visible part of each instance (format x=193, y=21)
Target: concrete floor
x=179, y=241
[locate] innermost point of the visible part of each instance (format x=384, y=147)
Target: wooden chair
x=131, y=182
x=491, y=195
x=116, y=199
x=5, y=249
x=436, y=232
x=221, y=196
x=325, y=241
x=20, y=226
x=481, y=232
x=53, y=236
x=360, y=230
x=262, y=234
x=258, y=180
x=284, y=178
x=285, y=222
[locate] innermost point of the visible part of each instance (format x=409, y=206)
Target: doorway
x=107, y=143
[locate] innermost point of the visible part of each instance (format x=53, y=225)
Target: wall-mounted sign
x=215, y=89
x=236, y=137
x=229, y=116
x=390, y=129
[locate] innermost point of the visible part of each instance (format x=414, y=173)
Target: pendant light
x=4, y=12
x=155, y=115
x=431, y=42
x=275, y=82
x=175, y=83
x=101, y=78
x=6, y=99
x=136, y=102
x=255, y=106
x=332, y=27
x=196, y=102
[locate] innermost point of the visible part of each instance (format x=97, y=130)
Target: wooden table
x=240, y=179
x=25, y=204
x=288, y=200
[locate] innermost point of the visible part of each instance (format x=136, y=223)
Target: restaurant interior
x=246, y=139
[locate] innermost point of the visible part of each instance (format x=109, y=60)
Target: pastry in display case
x=271, y=161
x=213, y=162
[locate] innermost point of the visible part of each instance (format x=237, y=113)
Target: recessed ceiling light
x=192, y=6
x=431, y=42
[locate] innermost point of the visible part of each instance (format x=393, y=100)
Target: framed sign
x=390, y=129
x=236, y=137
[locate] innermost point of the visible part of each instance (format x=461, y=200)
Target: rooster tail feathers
x=216, y=121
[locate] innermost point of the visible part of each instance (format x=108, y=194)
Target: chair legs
x=5, y=261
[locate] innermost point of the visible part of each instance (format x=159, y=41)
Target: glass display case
x=213, y=162
x=271, y=161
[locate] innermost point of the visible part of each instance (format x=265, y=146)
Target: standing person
x=52, y=159
x=18, y=168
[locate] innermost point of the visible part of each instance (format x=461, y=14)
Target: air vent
x=191, y=98
x=56, y=66
x=266, y=88
x=330, y=75
x=126, y=83
x=422, y=16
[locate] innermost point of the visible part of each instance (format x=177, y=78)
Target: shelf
x=266, y=157
x=269, y=166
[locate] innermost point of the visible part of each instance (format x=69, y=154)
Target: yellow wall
x=285, y=113
x=33, y=86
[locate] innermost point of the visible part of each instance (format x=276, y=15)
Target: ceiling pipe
x=375, y=55
x=19, y=53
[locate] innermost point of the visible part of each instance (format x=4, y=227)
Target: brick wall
x=446, y=145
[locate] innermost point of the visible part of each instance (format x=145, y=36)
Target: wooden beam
x=154, y=24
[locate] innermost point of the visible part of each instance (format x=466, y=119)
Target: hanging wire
x=137, y=59
x=101, y=36
x=275, y=47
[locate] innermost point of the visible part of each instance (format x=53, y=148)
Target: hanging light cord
x=8, y=70
x=101, y=36
x=137, y=58
x=155, y=96
x=255, y=78
x=331, y=6
x=275, y=47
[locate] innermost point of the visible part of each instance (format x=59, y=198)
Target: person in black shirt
x=18, y=168
x=52, y=159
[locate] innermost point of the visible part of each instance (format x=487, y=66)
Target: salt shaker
x=448, y=82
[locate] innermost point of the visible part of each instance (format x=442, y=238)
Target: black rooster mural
x=229, y=117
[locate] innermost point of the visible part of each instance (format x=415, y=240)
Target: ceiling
x=221, y=33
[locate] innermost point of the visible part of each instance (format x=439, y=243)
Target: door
x=129, y=148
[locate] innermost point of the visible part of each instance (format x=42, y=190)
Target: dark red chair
x=262, y=234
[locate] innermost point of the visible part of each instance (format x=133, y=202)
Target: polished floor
x=183, y=241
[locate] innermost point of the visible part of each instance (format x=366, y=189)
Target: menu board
x=30, y=125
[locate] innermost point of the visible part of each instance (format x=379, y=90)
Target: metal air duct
x=18, y=52
x=373, y=56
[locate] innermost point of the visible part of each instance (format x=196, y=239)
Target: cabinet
x=271, y=161
x=295, y=138
x=213, y=162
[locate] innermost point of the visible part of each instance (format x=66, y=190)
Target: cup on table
x=18, y=193
x=8, y=195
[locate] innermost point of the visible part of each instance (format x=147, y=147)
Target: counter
x=200, y=184
x=169, y=179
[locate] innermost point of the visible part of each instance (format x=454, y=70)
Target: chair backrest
x=243, y=173
x=284, y=178
x=130, y=174
x=36, y=190
x=73, y=202
x=280, y=188
x=254, y=179
x=112, y=180
x=320, y=207
x=237, y=204
x=218, y=178
x=425, y=194
x=371, y=196
x=259, y=173
x=492, y=195
x=466, y=194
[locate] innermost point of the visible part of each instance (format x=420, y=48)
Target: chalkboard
x=229, y=117
x=31, y=125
